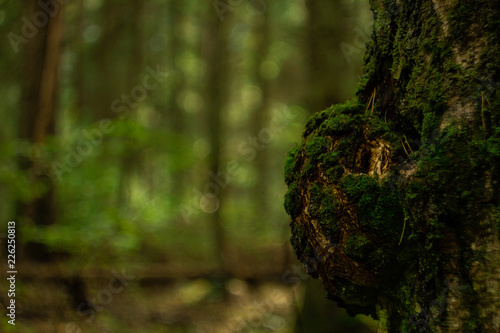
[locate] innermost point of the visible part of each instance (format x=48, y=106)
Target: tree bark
x=394, y=196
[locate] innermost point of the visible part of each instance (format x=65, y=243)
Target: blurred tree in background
x=147, y=138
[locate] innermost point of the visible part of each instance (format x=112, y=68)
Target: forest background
x=142, y=152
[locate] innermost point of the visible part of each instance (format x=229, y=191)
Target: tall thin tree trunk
x=394, y=196
x=37, y=122
x=106, y=86
x=78, y=76
x=214, y=51
x=175, y=115
x=328, y=25
x=130, y=160
x=260, y=118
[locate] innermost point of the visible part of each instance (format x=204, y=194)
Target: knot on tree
x=347, y=219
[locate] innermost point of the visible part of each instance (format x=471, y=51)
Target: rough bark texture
x=394, y=197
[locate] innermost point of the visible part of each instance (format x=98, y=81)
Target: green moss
x=339, y=124
x=314, y=122
x=493, y=144
x=314, y=150
x=452, y=173
x=365, y=297
x=474, y=323
x=292, y=200
x=335, y=173
x=383, y=214
x=331, y=159
x=359, y=248
x=348, y=108
x=357, y=186
x=291, y=166
x=316, y=195
x=463, y=15
x=323, y=206
x=496, y=219
x=379, y=208
x=298, y=241
x=315, y=147
x=310, y=172
x=328, y=215
x=444, y=197
x=345, y=146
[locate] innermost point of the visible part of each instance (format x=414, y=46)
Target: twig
x=402, y=143
x=408, y=143
x=402, y=234
x=371, y=100
x=482, y=109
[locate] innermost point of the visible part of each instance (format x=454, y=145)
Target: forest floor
x=123, y=303
x=259, y=296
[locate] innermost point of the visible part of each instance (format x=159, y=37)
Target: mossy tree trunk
x=394, y=196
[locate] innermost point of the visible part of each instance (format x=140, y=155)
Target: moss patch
x=359, y=248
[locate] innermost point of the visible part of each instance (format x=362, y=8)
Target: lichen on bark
x=394, y=196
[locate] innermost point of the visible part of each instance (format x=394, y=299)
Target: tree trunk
x=260, y=116
x=394, y=196
x=327, y=26
x=109, y=79
x=214, y=52
x=37, y=122
x=129, y=162
x=177, y=122
x=78, y=76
